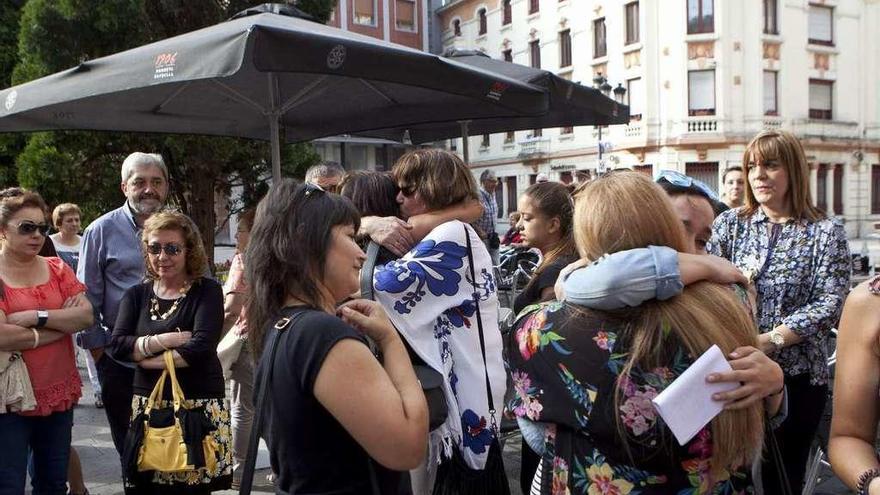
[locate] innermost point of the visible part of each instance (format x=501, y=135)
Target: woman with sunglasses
x=799, y=262
x=176, y=309
x=42, y=303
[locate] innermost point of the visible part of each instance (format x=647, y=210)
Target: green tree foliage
x=10, y=144
x=83, y=167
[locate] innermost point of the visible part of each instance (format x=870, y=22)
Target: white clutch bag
x=228, y=351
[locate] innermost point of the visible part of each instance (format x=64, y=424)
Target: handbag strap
x=159, y=390
x=778, y=463
x=265, y=383
x=476, y=297
x=367, y=270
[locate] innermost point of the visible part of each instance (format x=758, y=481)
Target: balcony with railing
x=702, y=125
x=808, y=128
x=534, y=147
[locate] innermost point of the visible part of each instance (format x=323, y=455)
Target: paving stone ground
x=91, y=438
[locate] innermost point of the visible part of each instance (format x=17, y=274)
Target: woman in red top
x=43, y=304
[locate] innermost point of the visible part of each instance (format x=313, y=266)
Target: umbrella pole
x=275, y=127
x=465, y=144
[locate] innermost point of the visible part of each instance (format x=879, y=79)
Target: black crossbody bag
x=454, y=476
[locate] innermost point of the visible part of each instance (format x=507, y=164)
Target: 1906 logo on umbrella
x=165, y=63
x=336, y=57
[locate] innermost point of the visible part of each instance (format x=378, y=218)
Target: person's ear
x=554, y=226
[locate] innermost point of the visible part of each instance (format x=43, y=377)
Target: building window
x=838, y=189
x=508, y=55
x=707, y=172
x=821, y=25
x=600, y=48
x=534, y=6
x=507, y=13
x=509, y=137
x=537, y=133
x=566, y=130
x=365, y=12
x=875, y=189
x=481, y=14
x=635, y=98
x=645, y=169
x=822, y=187
x=701, y=92
x=771, y=22
x=405, y=15
x=701, y=16
x=511, y=194
x=456, y=27
x=535, y=53
x=821, y=99
x=565, y=48
x=485, y=142
x=631, y=11
x=453, y=144
x=499, y=198
x=771, y=106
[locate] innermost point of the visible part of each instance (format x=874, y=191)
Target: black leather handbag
x=431, y=379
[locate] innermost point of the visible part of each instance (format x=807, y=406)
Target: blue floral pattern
x=802, y=285
x=430, y=264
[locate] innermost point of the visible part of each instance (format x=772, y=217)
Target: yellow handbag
x=162, y=448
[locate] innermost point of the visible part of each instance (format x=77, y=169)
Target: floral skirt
x=201, y=480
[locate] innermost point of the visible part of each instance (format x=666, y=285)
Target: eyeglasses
x=681, y=180
x=407, y=190
x=170, y=249
x=27, y=227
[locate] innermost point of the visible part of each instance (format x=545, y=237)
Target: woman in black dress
x=179, y=310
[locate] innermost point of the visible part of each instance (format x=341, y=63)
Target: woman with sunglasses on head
x=176, y=309
x=41, y=304
x=799, y=262
x=338, y=420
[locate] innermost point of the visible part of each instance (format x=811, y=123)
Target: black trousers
x=527, y=468
x=116, y=392
x=805, y=405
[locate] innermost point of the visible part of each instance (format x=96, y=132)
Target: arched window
x=456, y=27
x=482, y=15
x=507, y=12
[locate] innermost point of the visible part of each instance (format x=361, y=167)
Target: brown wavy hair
x=440, y=177
x=787, y=149
x=624, y=211
x=196, y=259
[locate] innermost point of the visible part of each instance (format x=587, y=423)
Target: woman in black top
x=177, y=309
x=545, y=222
x=337, y=417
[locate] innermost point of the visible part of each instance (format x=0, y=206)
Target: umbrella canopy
x=570, y=104
x=266, y=76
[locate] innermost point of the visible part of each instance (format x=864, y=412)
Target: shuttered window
x=821, y=25
x=365, y=12
x=405, y=19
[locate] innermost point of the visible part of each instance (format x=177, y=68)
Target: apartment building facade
x=701, y=78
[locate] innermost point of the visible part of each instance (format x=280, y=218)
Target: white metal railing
x=703, y=125
x=633, y=130
x=534, y=146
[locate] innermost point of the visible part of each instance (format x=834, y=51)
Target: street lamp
x=601, y=83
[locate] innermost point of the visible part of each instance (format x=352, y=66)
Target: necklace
x=155, y=314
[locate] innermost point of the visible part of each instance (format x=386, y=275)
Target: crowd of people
x=358, y=333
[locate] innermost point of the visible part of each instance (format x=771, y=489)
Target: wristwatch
x=777, y=339
x=42, y=318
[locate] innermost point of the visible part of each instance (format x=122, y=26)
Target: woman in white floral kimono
x=429, y=296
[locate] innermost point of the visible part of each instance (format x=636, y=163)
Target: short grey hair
x=487, y=175
x=324, y=169
x=138, y=159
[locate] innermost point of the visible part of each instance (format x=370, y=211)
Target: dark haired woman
x=177, y=309
x=545, y=224
x=799, y=261
x=38, y=321
x=338, y=416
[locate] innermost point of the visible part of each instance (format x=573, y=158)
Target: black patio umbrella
x=266, y=76
x=570, y=104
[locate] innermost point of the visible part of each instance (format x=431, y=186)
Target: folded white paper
x=686, y=405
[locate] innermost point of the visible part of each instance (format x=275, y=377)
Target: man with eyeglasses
x=111, y=261
x=325, y=175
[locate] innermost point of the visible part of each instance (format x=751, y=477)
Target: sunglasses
x=681, y=180
x=407, y=190
x=170, y=249
x=28, y=228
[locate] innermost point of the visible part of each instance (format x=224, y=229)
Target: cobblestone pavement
x=91, y=438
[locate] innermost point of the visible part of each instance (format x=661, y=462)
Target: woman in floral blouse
x=799, y=262
x=587, y=378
